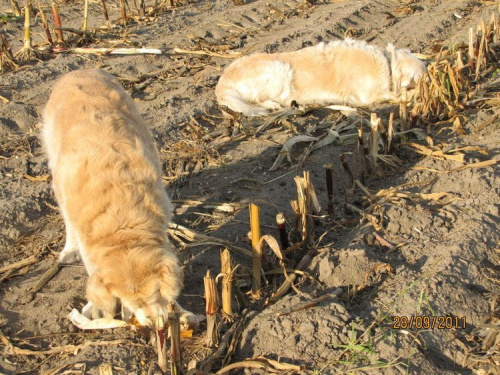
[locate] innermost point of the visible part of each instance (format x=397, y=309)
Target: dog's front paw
x=88, y=310
x=69, y=255
x=92, y=312
x=188, y=320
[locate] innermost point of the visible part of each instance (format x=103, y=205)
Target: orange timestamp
x=428, y=322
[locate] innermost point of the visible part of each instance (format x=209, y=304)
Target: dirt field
x=445, y=255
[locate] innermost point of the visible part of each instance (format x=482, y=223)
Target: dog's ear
x=171, y=277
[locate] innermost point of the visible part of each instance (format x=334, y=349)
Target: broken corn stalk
x=256, y=251
x=211, y=308
x=175, y=341
x=227, y=271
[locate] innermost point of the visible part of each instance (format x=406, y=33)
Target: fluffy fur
x=107, y=182
x=342, y=72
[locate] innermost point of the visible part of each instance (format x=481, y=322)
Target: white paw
x=69, y=255
x=127, y=314
x=188, y=320
x=87, y=310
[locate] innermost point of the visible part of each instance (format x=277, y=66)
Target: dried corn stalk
x=211, y=308
x=390, y=133
x=307, y=203
x=263, y=364
x=15, y=7
x=256, y=250
x=58, y=24
x=227, y=271
x=395, y=195
x=374, y=139
x=281, y=223
x=85, y=17
x=123, y=12
x=27, y=52
x=290, y=279
x=109, y=51
x=45, y=25
x=360, y=155
x=175, y=340
x=439, y=154
x=448, y=85
x=329, y=186
x=161, y=343
x=105, y=10
x=7, y=60
x=105, y=369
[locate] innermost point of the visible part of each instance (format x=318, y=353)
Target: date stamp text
x=428, y=322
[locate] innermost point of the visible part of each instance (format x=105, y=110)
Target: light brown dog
x=107, y=182
x=348, y=72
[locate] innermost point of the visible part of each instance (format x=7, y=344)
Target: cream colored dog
x=348, y=72
x=107, y=181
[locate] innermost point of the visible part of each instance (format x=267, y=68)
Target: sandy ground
x=447, y=256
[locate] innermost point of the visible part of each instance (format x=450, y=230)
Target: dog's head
x=147, y=284
x=406, y=68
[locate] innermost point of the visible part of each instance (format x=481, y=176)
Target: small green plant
x=356, y=351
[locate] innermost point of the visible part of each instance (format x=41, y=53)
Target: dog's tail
x=235, y=101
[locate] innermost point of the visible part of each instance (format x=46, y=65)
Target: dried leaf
x=44, y=177
x=285, y=150
x=418, y=133
x=269, y=365
x=433, y=196
x=273, y=245
x=218, y=206
x=481, y=150
x=438, y=154
x=105, y=369
x=109, y=51
x=457, y=126
x=480, y=164
x=232, y=55
x=331, y=137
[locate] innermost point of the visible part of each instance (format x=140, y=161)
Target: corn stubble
x=227, y=279
x=27, y=52
x=211, y=308
x=256, y=250
x=15, y=7
x=7, y=59
x=448, y=86
x=175, y=341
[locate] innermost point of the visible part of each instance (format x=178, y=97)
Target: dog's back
x=348, y=72
x=341, y=72
x=107, y=181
